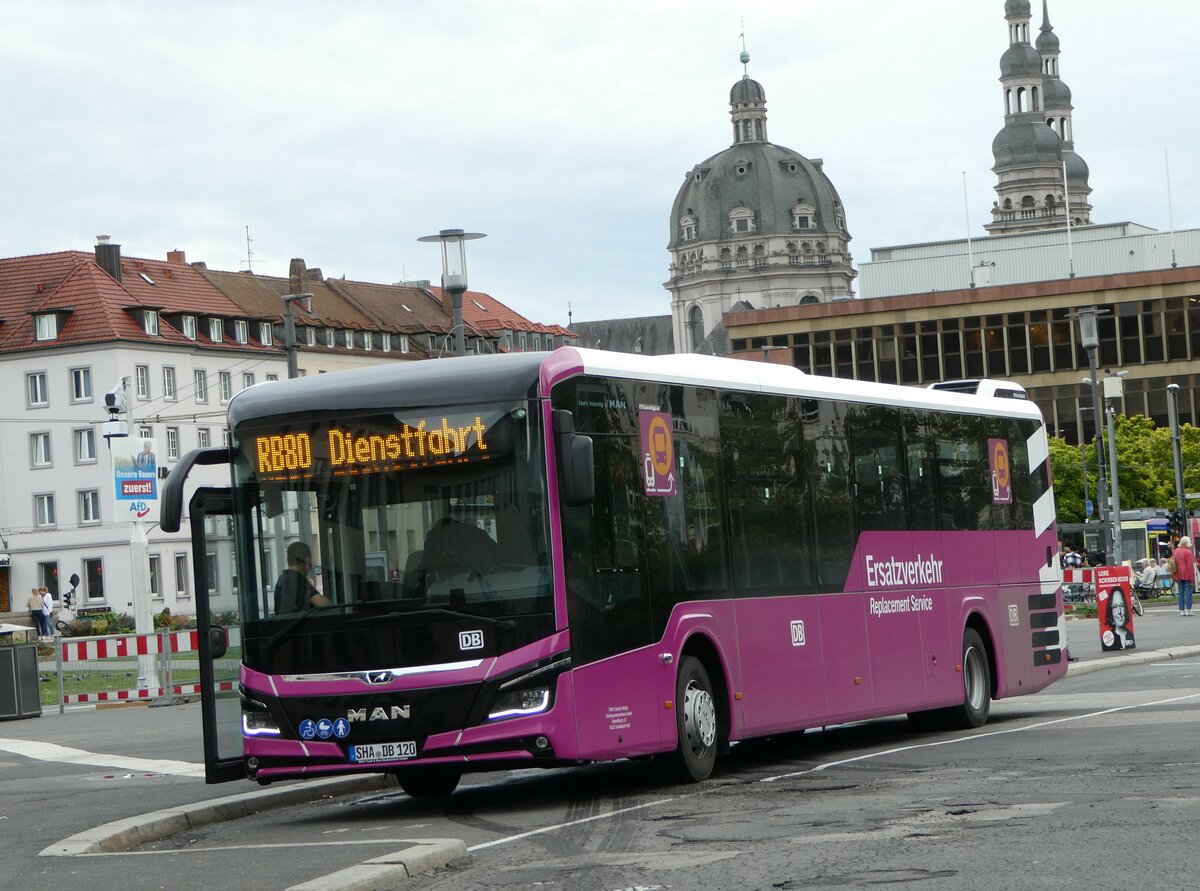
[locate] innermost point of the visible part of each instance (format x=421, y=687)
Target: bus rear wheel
x=696, y=723
x=430, y=782
x=977, y=692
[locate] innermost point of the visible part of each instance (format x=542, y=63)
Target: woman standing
x=1185, y=574
x=35, y=612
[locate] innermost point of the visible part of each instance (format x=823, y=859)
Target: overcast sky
x=341, y=132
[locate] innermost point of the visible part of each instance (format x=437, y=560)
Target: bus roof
x=515, y=376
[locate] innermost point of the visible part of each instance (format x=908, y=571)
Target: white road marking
x=42, y=751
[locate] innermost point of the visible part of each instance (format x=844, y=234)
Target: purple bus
x=545, y=559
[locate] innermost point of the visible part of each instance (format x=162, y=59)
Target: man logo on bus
x=1001, y=468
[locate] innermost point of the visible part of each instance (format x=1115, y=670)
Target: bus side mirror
x=218, y=641
x=576, y=467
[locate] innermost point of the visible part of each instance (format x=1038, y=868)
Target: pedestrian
x=47, y=609
x=35, y=612
x=1185, y=574
x=1070, y=559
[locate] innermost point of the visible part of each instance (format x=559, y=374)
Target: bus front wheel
x=696, y=722
x=428, y=783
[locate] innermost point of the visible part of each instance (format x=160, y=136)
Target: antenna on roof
x=249, y=252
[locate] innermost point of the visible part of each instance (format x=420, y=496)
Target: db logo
x=470, y=640
x=139, y=509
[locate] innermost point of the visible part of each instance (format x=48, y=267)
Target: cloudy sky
x=341, y=132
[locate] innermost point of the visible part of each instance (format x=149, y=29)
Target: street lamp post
x=289, y=330
x=768, y=349
x=1114, y=390
x=1089, y=339
x=1176, y=451
x=454, y=275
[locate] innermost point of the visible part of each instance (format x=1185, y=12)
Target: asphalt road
x=1040, y=797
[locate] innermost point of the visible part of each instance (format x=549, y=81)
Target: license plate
x=370, y=754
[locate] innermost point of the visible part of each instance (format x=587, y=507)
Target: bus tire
x=977, y=685
x=429, y=782
x=977, y=693
x=695, y=722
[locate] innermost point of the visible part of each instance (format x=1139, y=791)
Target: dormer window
x=150, y=321
x=189, y=327
x=216, y=330
x=330, y=334
x=741, y=219
x=687, y=228
x=364, y=339
x=45, y=326
x=265, y=334
x=310, y=336
x=348, y=339
x=241, y=331
x=385, y=342
x=403, y=343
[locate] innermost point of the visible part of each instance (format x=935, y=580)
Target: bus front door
x=220, y=702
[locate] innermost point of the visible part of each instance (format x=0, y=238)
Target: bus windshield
x=392, y=540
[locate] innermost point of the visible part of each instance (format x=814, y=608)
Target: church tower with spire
x=1036, y=143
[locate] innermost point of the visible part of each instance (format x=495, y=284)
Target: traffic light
x=1176, y=523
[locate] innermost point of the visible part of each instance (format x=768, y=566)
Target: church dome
x=1055, y=94
x=1021, y=60
x=1077, y=171
x=1016, y=8
x=1047, y=42
x=747, y=90
x=1029, y=142
x=766, y=179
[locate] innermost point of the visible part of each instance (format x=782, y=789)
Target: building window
x=310, y=336
x=44, y=510
x=696, y=327
x=81, y=385
x=150, y=321
x=155, y=575
x=202, y=437
x=141, y=376
x=241, y=331
x=181, y=575
x=687, y=228
x=172, y=443
x=200, y=382
x=741, y=219
x=508, y=340
x=365, y=339
x=189, y=327
x=216, y=330
x=168, y=383
x=35, y=389
x=45, y=326
x=265, y=335
x=522, y=341
x=211, y=565
x=385, y=341
x=247, y=379
x=225, y=440
x=89, y=506
x=39, y=449
x=224, y=385
x=48, y=577
x=272, y=377
x=85, y=445
x=330, y=335
x=93, y=578
x=348, y=339
x=146, y=432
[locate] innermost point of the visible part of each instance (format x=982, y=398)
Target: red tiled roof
x=483, y=311
x=95, y=308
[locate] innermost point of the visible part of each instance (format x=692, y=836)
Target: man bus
x=559, y=558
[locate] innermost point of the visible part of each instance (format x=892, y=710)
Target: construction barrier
x=132, y=667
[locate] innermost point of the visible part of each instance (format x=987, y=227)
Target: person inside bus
x=294, y=592
x=1118, y=621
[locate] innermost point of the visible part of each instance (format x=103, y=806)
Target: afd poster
x=135, y=479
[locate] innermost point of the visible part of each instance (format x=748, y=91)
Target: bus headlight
x=513, y=703
x=257, y=720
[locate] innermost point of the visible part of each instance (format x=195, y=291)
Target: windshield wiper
x=299, y=619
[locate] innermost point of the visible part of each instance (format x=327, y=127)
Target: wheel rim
x=699, y=717
x=973, y=678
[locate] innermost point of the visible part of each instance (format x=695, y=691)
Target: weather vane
x=745, y=56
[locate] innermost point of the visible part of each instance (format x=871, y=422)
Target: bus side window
x=833, y=511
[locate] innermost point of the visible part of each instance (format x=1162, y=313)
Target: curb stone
x=381, y=873
x=1136, y=658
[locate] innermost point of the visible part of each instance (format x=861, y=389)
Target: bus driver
x=294, y=592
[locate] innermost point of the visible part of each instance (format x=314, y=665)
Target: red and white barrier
x=149, y=693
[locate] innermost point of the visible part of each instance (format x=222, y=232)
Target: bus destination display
x=341, y=451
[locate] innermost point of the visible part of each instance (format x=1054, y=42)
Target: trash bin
x=20, y=696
